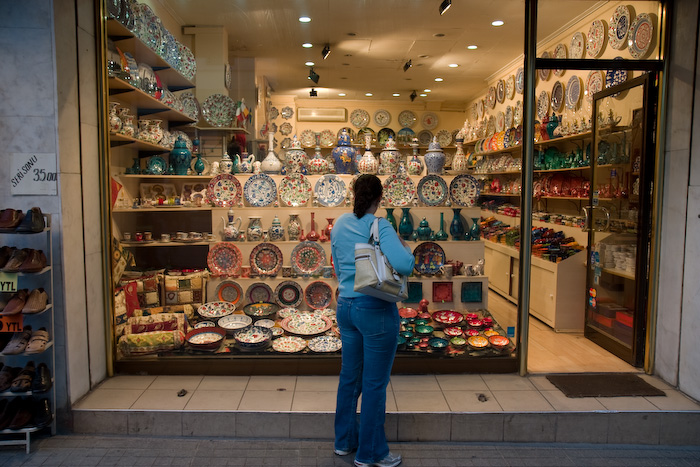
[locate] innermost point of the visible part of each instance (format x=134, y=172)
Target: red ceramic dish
x=471, y=332
x=408, y=312
x=452, y=331
x=475, y=323
x=499, y=341
x=448, y=317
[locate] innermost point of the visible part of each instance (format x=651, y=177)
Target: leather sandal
x=24, y=414
x=11, y=409
x=37, y=343
x=23, y=381
x=16, y=303
x=7, y=375
x=36, y=302
x=18, y=342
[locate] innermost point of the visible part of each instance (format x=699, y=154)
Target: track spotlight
x=326, y=51
x=313, y=76
x=413, y=95
x=407, y=65
x=444, y=6
x=313, y=93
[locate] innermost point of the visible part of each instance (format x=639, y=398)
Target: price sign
x=33, y=174
x=12, y=323
x=8, y=282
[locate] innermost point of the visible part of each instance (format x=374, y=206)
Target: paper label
x=12, y=323
x=33, y=174
x=8, y=282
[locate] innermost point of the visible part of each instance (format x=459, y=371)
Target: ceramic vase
x=312, y=236
x=475, y=230
x=459, y=161
x=254, y=231
x=389, y=158
x=344, y=155
x=295, y=161
x=294, y=227
x=271, y=164
x=329, y=227
x=414, y=165
x=318, y=165
x=367, y=164
x=276, y=230
x=434, y=158
x=127, y=120
x=115, y=123
x=423, y=230
x=226, y=164
x=246, y=165
x=456, y=226
x=180, y=157
x=406, y=224
x=441, y=234
x=390, y=217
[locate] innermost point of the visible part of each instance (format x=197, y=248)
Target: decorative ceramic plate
x=480, y=108
x=408, y=312
x=509, y=116
x=557, y=96
x=619, y=27
x=190, y=105
x=383, y=136
x=306, y=324
x=260, y=310
x=518, y=113
x=382, y=117
x=519, y=81
x=429, y=120
x=287, y=112
x=596, y=38
x=219, y=110
x=543, y=105
x=359, y=118
x=474, y=111
x=478, y=342
x=444, y=137
x=491, y=97
x=464, y=190
x=330, y=190
x=214, y=310
x=543, y=73
x=229, y=291
x=289, y=311
x=573, y=92
x=510, y=86
x=325, y=344
x=255, y=336
x=448, y=317
x=432, y=190
x=500, y=121
x=327, y=138
x=188, y=64
x=289, y=344
x=265, y=323
x=361, y=137
x=273, y=113
x=425, y=137
x=399, y=190
x=501, y=91
x=615, y=77
x=156, y=165
x=405, y=136
x=235, y=322
x=286, y=143
x=577, y=48
x=260, y=190
x=286, y=128
x=294, y=190
x=224, y=259
x=351, y=134
x=491, y=126
x=224, y=190
x=594, y=84
x=266, y=259
x=407, y=119
x=429, y=258
x=308, y=258
x=258, y=292
x=560, y=53
x=640, y=36
x=288, y=294
x=318, y=295
x=308, y=139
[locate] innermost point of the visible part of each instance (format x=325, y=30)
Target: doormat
x=603, y=385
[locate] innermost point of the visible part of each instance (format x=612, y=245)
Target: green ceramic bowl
x=424, y=330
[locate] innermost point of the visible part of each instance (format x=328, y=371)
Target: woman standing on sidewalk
x=369, y=328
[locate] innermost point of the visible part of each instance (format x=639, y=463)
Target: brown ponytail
x=368, y=189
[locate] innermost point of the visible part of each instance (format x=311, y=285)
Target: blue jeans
x=369, y=328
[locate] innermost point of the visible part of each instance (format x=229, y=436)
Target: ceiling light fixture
x=413, y=95
x=407, y=65
x=472, y=47
x=368, y=94
x=326, y=51
x=313, y=76
x=396, y=94
x=307, y=45
x=313, y=93
x=438, y=79
x=309, y=64
x=444, y=6
x=426, y=90
x=341, y=94
x=498, y=22
x=424, y=95
x=304, y=19
x=453, y=65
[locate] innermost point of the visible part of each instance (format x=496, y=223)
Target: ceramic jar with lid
x=296, y=158
x=368, y=163
x=389, y=158
x=276, y=231
x=226, y=164
x=180, y=157
x=434, y=158
x=318, y=165
x=344, y=155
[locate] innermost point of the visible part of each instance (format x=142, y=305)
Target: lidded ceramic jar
x=276, y=230
x=434, y=158
x=368, y=163
x=226, y=164
x=180, y=157
x=296, y=157
x=389, y=158
x=414, y=165
x=318, y=165
x=344, y=155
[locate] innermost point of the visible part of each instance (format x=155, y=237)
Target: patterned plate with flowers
x=543, y=105
x=382, y=117
x=327, y=139
x=306, y=324
x=224, y=259
x=491, y=97
x=448, y=317
x=560, y=53
x=640, y=36
x=266, y=259
x=444, y=137
x=287, y=112
x=330, y=190
x=557, y=96
x=219, y=110
x=288, y=294
x=500, y=121
x=273, y=113
x=594, y=84
x=615, y=77
x=518, y=113
x=519, y=81
x=544, y=72
x=216, y=309
x=308, y=258
x=224, y=190
x=429, y=120
x=619, y=27
x=399, y=190
x=432, y=190
x=188, y=64
x=510, y=86
x=295, y=190
x=258, y=292
x=289, y=344
x=286, y=128
x=573, y=92
x=190, y=104
x=253, y=336
x=308, y=139
x=289, y=311
x=323, y=344
x=229, y=291
x=407, y=119
x=429, y=258
x=359, y=118
x=464, y=190
x=577, y=48
x=596, y=38
x=501, y=91
x=509, y=116
x=480, y=104
x=318, y=295
x=260, y=190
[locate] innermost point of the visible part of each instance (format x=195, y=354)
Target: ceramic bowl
x=205, y=324
x=401, y=342
x=208, y=338
x=214, y=310
x=422, y=322
x=499, y=342
x=261, y=310
x=471, y=332
x=458, y=342
x=437, y=344
x=406, y=334
x=452, y=331
x=265, y=323
x=490, y=332
x=424, y=330
x=253, y=337
x=408, y=312
x=233, y=323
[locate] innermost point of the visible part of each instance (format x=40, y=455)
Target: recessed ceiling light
x=423, y=95
x=309, y=63
x=368, y=94
x=396, y=94
x=453, y=65
x=438, y=79
x=472, y=47
x=424, y=56
x=439, y=34
x=426, y=90
x=352, y=34
x=498, y=22
x=304, y=19
x=307, y=45
x=341, y=94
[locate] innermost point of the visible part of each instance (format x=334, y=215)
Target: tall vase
x=459, y=161
x=456, y=227
x=390, y=217
x=441, y=234
x=294, y=227
x=271, y=164
x=475, y=231
x=344, y=155
x=329, y=227
x=180, y=157
x=406, y=225
x=312, y=236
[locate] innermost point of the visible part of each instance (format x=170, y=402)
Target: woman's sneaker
x=391, y=460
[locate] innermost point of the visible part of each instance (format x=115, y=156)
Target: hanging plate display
x=619, y=27
x=399, y=190
x=500, y=121
x=491, y=126
x=229, y=291
x=509, y=116
x=429, y=258
x=383, y=136
x=306, y=324
x=188, y=64
x=260, y=190
x=327, y=139
x=359, y=118
x=224, y=190
x=557, y=96
x=444, y=138
x=474, y=111
x=407, y=119
x=288, y=294
x=286, y=143
x=362, y=132
x=501, y=91
x=480, y=104
x=286, y=128
x=266, y=259
x=491, y=97
x=543, y=73
x=287, y=112
x=519, y=81
x=425, y=137
x=615, y=77
x=258, y=292
x=573, y=92
x=190, y=105
x=543, y=105
x=318, y=295
x=273, y=113
x=325, y=344
x=288, y=344
x=640, y=36
x=330, y=190
x=218, y=110
x=432, y=190
x=464, y=190
x=518, y=113
x=215, y=309
x=308, y=258
x=596, y=38
x=294, y=190
x=382, y=117
x=560, y=53
x=224, y=259
x=510, y=86
x=577, y=48
x=405, y=136
x=429, y=120
x=308, y=139
x=594, y=84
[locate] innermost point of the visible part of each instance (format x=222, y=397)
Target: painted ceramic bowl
x=478, y=342
x=253, y=338
x=452, y=331
x=207, y=338
x=490, y=332
x=265, y=323
x=458, y=342
x=421, y=322
x=437, y=344
x=471, y=332
x=408, y=312
x=233, y=323
x=499, y=342
x=261, y=310
x=424, y=330
x=406, y=334
x=448, y=317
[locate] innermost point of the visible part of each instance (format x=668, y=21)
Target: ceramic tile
x=421, y=401
x=109, y=399
x=266, y=401
x=561, y=403
x=461, y=383
x=105, y=423
x=214, y=400
x=272, y=383
x=223, y=383
x=189, y=383
x=542, y=383
x=468, y=401
x=161, y=399
x=155, y=423
x=268, y=425
x=582, y=428
x=529, y=427
x=522, y=401
x=627, y=404
x=127, y=382
x=209, y=424
x=316, y=426
x=674, y=400
x=423, y=427
x=477, y=427
x=317, y=383
x=414, y=383
x=314, y=401
x=511, y=382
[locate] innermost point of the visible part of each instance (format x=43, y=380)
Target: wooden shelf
x=577, y=136
x=620, y=273
x=208, y=129
x=116, y=139
x=174, y=243
x=499, y=151
x=173, y=177
x=570, y=169
x=123, y=92
x=164, y=209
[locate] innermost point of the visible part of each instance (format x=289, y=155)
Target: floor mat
x=603, y=385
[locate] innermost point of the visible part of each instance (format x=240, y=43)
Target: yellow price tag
x=8, y=282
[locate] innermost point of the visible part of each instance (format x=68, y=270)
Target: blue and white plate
x=615, y=77
x=330, y=190
x=519, y=81
x=432, y=190
x=464, y=190
x=573, y=92
x=325, y=344
x=260, y=190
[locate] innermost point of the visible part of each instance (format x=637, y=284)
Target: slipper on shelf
x=18, y=342
x=37, y=343
x=7, y=375
x=16, y=303
x=23, y=381
x=36, y=301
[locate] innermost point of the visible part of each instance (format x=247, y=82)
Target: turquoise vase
x=424, y=230
x=180, y=157
x=441, y=234
x=475, y=231
x=199, y=165
x=456, y=226
x=390, y=217
x=406, y=225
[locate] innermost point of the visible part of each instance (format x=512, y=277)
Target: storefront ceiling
x=371, y=40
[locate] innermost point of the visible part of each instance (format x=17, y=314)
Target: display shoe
x=5, y=254
x=391, y=460
x=37, y=343
x=16, y=260
x=36, y=301
x=23, y=381
x=10, y=411
x=42, y=379
x=7, y=375
x=16, y=303
x=18, y=342
x=42, y=414
x=24, y=414
x=10, y=219
x=33, y=222
x=5, y=297
x=35, y=262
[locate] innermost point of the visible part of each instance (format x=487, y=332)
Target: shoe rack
x=15, y=323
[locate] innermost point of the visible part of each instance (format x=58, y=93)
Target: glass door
x=618, y=217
